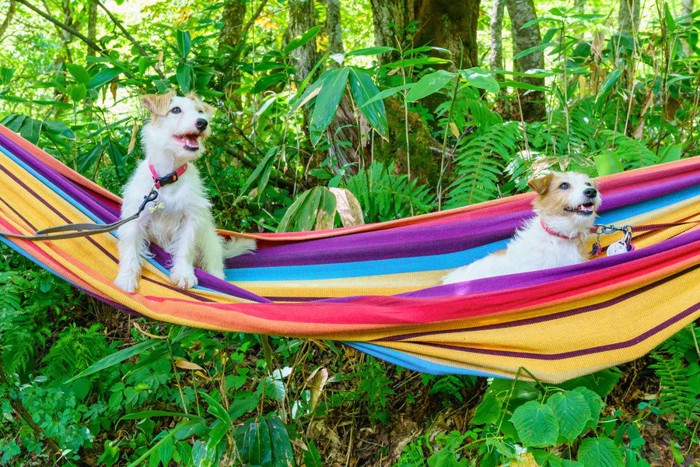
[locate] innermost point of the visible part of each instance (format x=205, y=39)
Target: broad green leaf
x=370, y=51
x=363, y=89
x=669, y=20
x=104, y=76
x=327, y=102
x=160, y=413
x=599, y=452
x=31, y=129
x=282, y=453
x=481, y=79
x=184, y=77
x=536, y=423
x=608, y=163
x=531, y=50
x=59, y=129
x=488, y=411
x=184, y=43
x=301, y=40
x=416, y=62
x=257, y=447
x=6, y=74
x=600, y=382
x=80, y=74
x=77, y=92
x=267, y=81
x=242, y=405
x=572, y=412
x=116, y=358
x=389, y=92
x=670, y=153
x=264, y=168
x=608, y=83
x=216, y=409
x=595, y=405
x=429, y=84
x=425, y=48
x=521, y=85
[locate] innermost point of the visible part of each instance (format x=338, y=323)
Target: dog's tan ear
x=209, y=109
x=540, y=184
x=157, y=104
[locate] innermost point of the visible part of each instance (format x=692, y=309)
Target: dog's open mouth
x=189, y=141
x=585, y=209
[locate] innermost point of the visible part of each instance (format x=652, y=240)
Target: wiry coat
x=180, y=220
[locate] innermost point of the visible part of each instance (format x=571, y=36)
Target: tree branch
x=69, y=30
x=129, y=37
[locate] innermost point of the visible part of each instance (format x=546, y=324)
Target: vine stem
x=18, y=407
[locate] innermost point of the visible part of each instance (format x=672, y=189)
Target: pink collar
x=553, y=232
x=172, y=177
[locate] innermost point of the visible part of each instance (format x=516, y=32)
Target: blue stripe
x=415, y=363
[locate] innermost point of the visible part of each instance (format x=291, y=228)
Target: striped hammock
x=374, y=287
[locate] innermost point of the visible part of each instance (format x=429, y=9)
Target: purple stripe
x=575, y=353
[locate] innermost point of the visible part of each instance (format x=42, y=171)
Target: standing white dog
x=565, y=205
x=181, y=221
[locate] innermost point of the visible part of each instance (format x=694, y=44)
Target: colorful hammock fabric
x=375, y=288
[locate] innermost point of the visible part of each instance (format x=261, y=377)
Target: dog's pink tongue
x=190, y=141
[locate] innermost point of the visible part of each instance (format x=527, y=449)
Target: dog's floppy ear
x=540, y=184
x=157, y=104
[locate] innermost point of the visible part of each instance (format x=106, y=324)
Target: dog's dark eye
x=201, y=111
x=176, y=110
x=564, y=186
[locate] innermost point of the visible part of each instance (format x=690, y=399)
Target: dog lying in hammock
x=565, y=208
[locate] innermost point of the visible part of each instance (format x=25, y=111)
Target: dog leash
x=82, y=230
x=86, y=229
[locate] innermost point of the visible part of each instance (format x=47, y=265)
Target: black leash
x=82, y=230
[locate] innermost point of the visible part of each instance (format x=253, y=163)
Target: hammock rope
x=374, y=287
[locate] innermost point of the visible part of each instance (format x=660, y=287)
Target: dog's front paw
x=183, y=279
x=128, y=283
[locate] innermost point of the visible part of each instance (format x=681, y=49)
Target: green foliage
x=385, y=195
x=280, y=143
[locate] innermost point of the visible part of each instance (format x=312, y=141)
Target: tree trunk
x=92, y=27
x=496, y=29
x=233, y=16
x=521, y=12
x=230, y=43
x=333, y=27
x=8, y=18
x=302, y=17
x=686, y=8
x=441, y=23
x=629, y=16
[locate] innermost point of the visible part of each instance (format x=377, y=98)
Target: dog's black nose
x=590, y=192
x=201, y=124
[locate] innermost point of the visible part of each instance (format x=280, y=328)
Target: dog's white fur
x=182, y=222
x=566, y=203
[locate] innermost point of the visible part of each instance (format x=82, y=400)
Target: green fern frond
x=384, y=195
x=480, y=162
x=632, y=153
x=678, y=398
x=76, y=349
